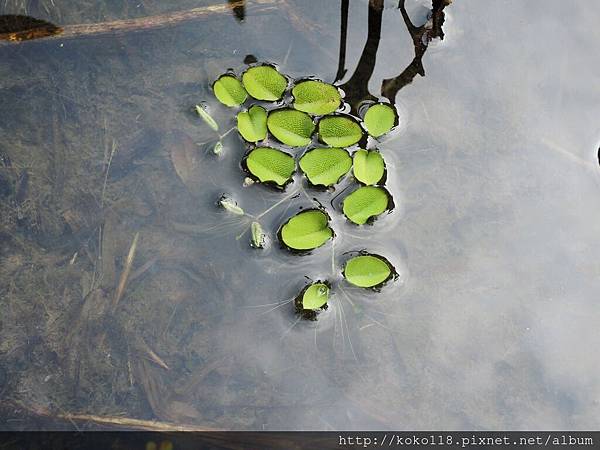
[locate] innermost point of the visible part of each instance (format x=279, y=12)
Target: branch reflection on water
x=357, y=87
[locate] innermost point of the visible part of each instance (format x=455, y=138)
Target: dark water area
x=492, y=322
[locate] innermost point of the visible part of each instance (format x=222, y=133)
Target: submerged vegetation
x=109, y=311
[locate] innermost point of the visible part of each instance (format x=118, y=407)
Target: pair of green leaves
x=295, y=128
x=292, y=127
x=310, y=229
x=261, y=82
x=326, y=166
x=364, y=271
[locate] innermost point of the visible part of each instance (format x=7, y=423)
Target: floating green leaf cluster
x=310, y=114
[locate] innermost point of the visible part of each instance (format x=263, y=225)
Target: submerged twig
x=571, y=156
x=126, y=271
x=152, y=356
x=144, y=23
x=110, y=158
x=116, y=421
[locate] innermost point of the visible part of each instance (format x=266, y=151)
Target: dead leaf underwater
x=24, y=28
x=184, y=157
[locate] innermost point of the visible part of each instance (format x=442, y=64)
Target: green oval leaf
x=367, y=271
x=315, y=296
x=270, y=165
x=325, y=166
x=339, y=131
x=258, y=235
x=369, y=166
x=207, y=117
x=316, y=97
x=291, y=127
x=364, y=203
x=252, y=124
x=230, y=205
x=229, y=91
x=379, y=119
x=264, y=83
x=306, y=230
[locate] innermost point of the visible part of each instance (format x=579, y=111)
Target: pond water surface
x=492, y=322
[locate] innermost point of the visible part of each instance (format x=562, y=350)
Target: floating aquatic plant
x=293, y=128
x=380, y=119
x=364, y=203
x=367, y=271
x=316, y=97
x=306, y=230
x=264, y=83
x=368, y=166
x=325, y=166
x=230, y=205
x=252, y=124
x=218, y=148
x=290, y=123
x=207, y=118
x=270, y=165
x=339, y=131
x=312, y=300
x=258, y=235
x=229, y=91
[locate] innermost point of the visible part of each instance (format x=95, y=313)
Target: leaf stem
x=270, y=208
x=221, y=136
